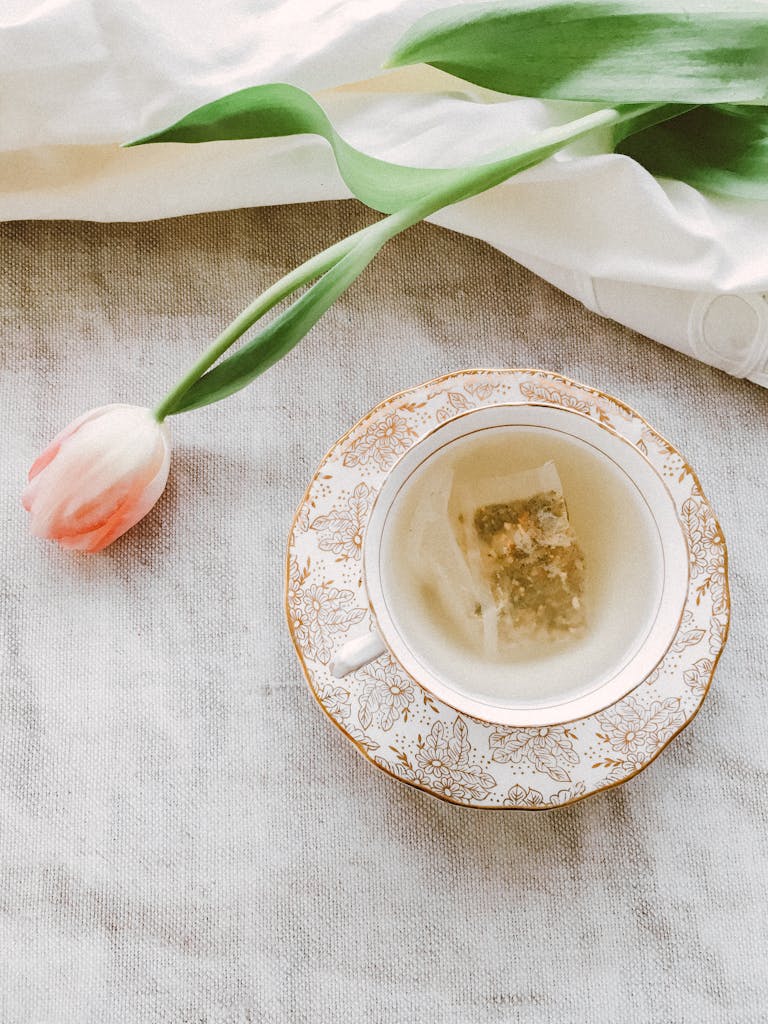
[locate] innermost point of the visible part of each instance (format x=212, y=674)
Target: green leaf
x=279, y=337
x=269, y=111
x=720, y=149
x=626, y=51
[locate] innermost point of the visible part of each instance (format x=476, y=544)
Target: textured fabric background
x=184, y=838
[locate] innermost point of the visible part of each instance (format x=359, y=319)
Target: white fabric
x=77, y=77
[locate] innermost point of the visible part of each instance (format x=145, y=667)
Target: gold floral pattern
x=385, y=695
x=341, y=530
x=297, y=577
x=403, y=729
x=697, y=677
x=619, y=769
x=456, y=402
x=567, y=796
x=706, y=551
x=653, y=677
x=443, y=765
x=363, y=740
x=443, y=756
x=471, y=395
x=519, y=796
x=718, y=632
x=336, y=701
x=482, y=389
x=319, y=613
x=381, y=443
x=559, y=391
x=546, y=750
x=631, y=728
x=558, y=394
x=651, y=442
x=687, y=638
x=302, y=518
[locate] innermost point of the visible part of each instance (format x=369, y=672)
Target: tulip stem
x=340, y=264
x=308, y=271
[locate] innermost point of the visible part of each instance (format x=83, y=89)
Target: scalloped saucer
x=400, y=727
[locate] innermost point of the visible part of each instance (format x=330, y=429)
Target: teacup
x=636, y=557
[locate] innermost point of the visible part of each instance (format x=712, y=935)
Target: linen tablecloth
x=184, y=836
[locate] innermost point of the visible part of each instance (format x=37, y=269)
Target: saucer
x=400, y=727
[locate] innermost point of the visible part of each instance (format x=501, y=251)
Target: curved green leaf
x=274, y=341
x=278, y=338
x=625, y=51
x=269, y=111
x=720, y=149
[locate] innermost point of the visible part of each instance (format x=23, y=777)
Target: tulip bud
x=98, y=477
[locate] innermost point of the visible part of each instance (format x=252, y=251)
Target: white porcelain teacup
x=634, y=549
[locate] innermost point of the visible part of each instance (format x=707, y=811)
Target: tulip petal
x=124, y=517
x=53, y=448
x=98, y=477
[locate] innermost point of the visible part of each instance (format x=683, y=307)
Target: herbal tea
x=520, y=563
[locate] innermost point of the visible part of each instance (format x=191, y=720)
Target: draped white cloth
x=77, y=77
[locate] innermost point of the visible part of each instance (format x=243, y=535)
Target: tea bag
x=518, y=543
x=464, y=600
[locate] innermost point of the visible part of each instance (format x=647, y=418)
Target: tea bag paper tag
x=434, y=553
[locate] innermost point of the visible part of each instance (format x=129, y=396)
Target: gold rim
x=560, y=378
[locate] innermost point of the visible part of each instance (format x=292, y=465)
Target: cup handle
x=356, y=653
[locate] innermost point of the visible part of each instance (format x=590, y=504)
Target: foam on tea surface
x=521, y=564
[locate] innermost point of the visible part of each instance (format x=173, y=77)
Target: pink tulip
x=98, y=477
